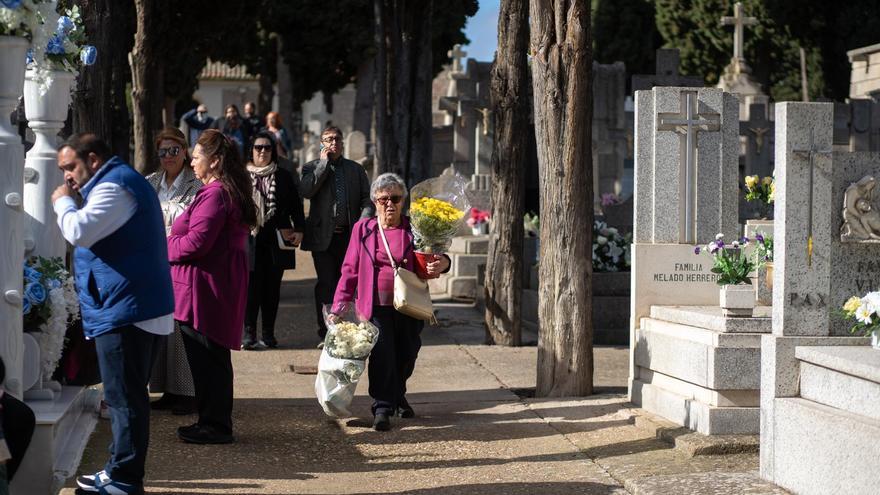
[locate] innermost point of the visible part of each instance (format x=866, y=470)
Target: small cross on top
x=739, y=20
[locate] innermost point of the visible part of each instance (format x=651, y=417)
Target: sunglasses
x=259, y=148
x=385, y=199
x=172, y=151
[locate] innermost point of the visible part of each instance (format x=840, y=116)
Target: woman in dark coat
x=276, y=194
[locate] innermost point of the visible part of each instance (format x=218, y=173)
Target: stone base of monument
x=694, y=444
x=63, y=429
x=833, y=416
x=699, y=369
x=463, y=281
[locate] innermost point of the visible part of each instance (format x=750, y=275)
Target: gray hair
x=387, y=181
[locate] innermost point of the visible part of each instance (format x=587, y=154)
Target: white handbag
x=412, y=296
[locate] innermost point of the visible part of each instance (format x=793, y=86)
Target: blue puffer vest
x=125, y=278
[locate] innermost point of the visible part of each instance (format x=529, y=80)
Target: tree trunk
x=363, y=98
x=381, y=162
x=99, y=103
x=147, y=97
x=509, y=94
x=561, y=73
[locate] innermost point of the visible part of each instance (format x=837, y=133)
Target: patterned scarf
x=263, y=180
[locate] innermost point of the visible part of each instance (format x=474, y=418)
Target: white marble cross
x=457, y=55
x=739, y=21
x=687, y=123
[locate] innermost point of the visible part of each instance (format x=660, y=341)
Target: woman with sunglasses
x=176, y=185
x=368, y=280
x=277, y=198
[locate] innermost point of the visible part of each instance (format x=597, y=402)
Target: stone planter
x=480, y=229
x=737, y=300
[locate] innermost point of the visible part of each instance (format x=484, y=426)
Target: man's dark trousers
x=328, y=268
x=125, y=356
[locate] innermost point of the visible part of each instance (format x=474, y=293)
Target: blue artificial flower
x=54, y=284
x=88, y=55
x=32, y=275
x=29, y=58
x=25, y=305
x=65, y=25
x=56, y=45
x=11, y=4
x=36, y=292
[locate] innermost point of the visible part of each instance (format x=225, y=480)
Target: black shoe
x=404, y=410
x=270, y=343
x=204, y=434
x=190, y=428
x=167, y=401
x=381, y=422
x=185, y=405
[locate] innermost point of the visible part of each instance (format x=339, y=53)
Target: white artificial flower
x=718, y=237
x=863, y=314
x=872, y=302
x=601, y=240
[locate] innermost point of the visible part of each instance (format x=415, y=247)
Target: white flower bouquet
x=611, y=249
x=49, y=306
x=865, y=311
x=349, y=341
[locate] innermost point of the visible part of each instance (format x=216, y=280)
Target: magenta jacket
x=207, y=249
x=359, y=271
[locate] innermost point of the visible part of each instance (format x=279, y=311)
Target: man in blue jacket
x=126, y=299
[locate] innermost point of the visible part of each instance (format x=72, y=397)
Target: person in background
x=367, y=279
x=176, y=185
x=253, y=119
x=17, y=424
x=196, y=121
x=338, y=191
x=277, y=200
x=124, y=285
x=235, y=128
x=274, y=125
x=208, y=252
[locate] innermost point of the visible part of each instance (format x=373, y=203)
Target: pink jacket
x=207, y=249
x=358, y=278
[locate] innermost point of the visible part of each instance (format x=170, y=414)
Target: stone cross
x=739, y=21
x=687, y=124
x=457, y=55
x=667, y=62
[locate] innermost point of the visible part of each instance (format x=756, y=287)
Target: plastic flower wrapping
x=60, y=45
x=349, y=341
x=49, y=306
x=865, y=312
x=437, y=211
x=611, y=249
x=23, y=18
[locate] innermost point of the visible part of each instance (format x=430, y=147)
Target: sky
x=482, y=30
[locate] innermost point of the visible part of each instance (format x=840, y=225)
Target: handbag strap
x=385, y=242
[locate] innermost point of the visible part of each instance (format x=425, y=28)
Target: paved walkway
x=476, y=431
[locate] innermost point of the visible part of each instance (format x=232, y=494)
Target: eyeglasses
x=385, y=199
x=259, y=148
x=329, y=140
x=172, y=151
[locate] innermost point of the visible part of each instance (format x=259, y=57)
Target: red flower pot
x=422, y=260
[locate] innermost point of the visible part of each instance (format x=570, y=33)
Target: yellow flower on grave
x=751, y=181
x=772, y=196
x=766, y=181
x=852, y=304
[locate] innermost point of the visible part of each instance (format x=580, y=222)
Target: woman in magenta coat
x=207, y=249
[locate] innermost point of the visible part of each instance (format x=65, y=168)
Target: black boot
x=249, y=339
x=269, y=336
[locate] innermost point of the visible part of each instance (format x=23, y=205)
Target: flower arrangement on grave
x=436, y=213
x=610, y=199
x=23, y=18
x=532, y=224
x=762, y=191
x=49, y=306
x=478, y=220
x=865, y=313
x=763, y=249
x=61, y=46
x=611, y=249
x=729, y=262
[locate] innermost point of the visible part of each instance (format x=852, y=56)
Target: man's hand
x=62, y=190
x=325, y=153
x=292, y=237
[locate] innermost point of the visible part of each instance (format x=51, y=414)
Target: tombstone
x=609, y=129
x=758, y=134
x=737, y=77
x=819, y=386
x=667, y=62
x=688, y=363
x=356, y=146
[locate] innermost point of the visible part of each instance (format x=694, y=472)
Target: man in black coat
x=233, y=126
x=339, y=193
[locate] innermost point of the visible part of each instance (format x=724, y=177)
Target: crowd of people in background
x=174, y=270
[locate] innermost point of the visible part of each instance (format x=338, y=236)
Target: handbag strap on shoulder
x=385, y=242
